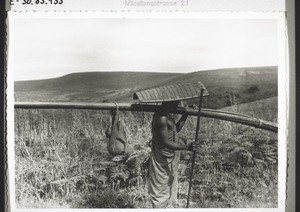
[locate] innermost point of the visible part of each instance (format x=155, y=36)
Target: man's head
x=169, y=106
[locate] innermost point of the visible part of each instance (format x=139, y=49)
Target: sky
x=49, y=48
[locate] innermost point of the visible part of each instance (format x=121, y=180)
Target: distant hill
x=226, y=86
x=89, y=86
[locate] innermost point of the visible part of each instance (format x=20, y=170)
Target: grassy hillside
x=88, y=86
x=226, y=86
x=235, y=86
x=266, y=109
x=95, y=80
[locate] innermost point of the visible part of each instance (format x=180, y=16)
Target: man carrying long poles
x=164, y=159
x=165, y=144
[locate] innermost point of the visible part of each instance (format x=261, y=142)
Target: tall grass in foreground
x=62, y=161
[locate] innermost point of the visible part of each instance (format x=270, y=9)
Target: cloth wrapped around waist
x=163, y=178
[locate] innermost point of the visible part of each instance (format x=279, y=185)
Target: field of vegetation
x=61, y=161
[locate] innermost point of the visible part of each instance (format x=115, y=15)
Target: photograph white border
x=193, y=5
x=283, y=87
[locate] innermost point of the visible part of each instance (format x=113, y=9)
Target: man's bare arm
x=162, y=125
x=181, y=122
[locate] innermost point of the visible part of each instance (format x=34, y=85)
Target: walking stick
x=194, y=152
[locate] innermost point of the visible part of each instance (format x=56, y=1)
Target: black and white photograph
x=147, y=112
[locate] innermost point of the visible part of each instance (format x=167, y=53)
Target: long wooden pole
x=194, y=152
x=208, y=113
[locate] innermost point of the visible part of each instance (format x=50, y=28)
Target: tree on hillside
x=253, y=89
